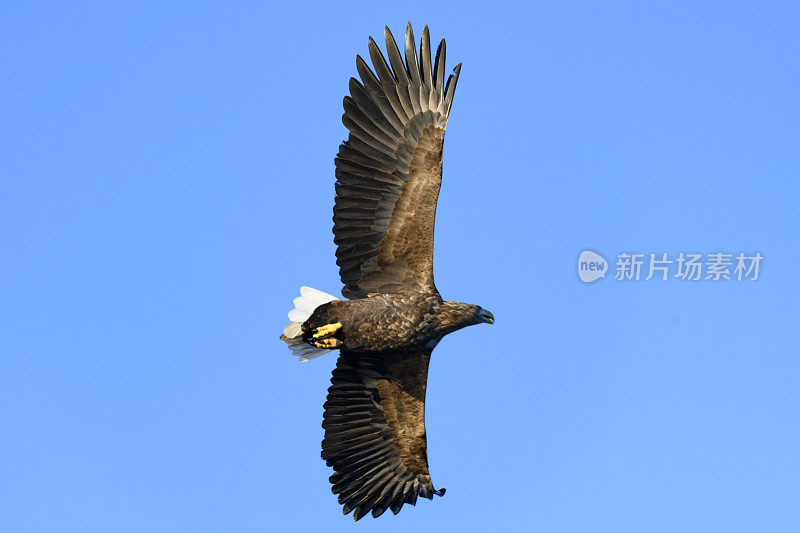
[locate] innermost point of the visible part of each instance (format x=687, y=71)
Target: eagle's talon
x=327, y=330
x=327, y=344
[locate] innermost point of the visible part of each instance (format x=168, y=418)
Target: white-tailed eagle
x=388, y=175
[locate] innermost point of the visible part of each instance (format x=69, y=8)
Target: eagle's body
x=400, y=321
x=388, y=175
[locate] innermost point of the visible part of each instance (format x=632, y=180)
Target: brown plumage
x=388, y=175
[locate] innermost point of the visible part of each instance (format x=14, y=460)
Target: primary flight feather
x=388, y=175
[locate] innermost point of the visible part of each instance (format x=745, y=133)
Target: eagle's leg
x=323, y=336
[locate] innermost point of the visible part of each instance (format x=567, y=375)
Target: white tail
x=304, y=305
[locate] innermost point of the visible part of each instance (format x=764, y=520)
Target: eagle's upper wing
x=375, y=431
x=389, y=170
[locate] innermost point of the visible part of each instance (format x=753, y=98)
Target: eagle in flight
x=388, y=175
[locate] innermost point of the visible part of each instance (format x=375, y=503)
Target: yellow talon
x=326, y=330
x=328, y=344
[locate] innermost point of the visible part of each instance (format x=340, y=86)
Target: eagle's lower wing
x=375, y=431
x=389, y=171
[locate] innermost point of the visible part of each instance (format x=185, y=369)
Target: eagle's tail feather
x=304, y=305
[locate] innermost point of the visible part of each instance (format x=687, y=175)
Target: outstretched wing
x=389, y=171
x=375, y=431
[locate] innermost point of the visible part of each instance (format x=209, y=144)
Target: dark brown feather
x=389, y=170
x=375, y=430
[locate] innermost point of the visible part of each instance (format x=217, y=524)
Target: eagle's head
x=472, y=314
x=452, y=316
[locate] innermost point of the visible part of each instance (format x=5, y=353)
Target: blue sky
x=167, y=183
